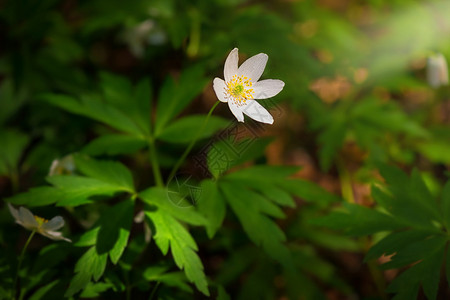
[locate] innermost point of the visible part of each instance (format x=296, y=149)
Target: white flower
x=65, y=165
x=241, y=87
x=47, y=228
x=437, y=71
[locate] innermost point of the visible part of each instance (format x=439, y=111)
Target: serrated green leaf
x=410, y=200
x=212, y=205
x=186, y=129
x=415, y=252
x=183, y=247
x=231, y=151
x=89, y=238
x=259, y=228
x=263, y=204
x=113, y=144
x=13, y=144
x=425, y=272
x=166, y=200
x=110, y=172
x=90, y=266
x=394, y=242
x=39, y=196
x=175, y=96
x=114, y=230
x=359, y=220
x=77, y=190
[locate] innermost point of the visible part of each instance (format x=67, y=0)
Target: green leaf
x=258, y=226
x=95, y=289
x=13, y=144
x=172, y=279
x=113, y=144
x=395, y=242
x=90, y=266
x=359, y=220
x=110, y=172
x=136, y=103
x=41, y=292
x=331, y=140
x=411, y=200
x=77, y=190
x=186, y=129
x=92, y=107
x=212, y=205
x=445, y=204
x=175, y=96
x=39, y=196
x=415, y=251
x=166, y=200
x=425, y=272
x=114, y=230
x=170, y=232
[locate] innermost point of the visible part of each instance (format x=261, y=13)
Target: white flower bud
x=437, y=70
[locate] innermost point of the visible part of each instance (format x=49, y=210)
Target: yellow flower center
x=40, y=220
x=239, y=89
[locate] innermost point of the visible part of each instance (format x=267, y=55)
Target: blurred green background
x=356, y=95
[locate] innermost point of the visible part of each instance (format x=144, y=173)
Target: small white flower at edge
x=47, y=228
x=241, y=87
x=437, y=70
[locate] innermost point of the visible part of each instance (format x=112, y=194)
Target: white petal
x=253, y=67
x=257, y=112
x=14, y=212
x=55, y=235
x=27, y=218
x=236, y=110
x=54, y=224
x=267, y=88
x=231, y=64
x=219, y=87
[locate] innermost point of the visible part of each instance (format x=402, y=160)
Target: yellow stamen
x=239, y=89
x=40, y=220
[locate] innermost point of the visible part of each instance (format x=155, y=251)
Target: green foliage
x=416, y=223
x=100, y=99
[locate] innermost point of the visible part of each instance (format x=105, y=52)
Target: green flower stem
x=154, y=162
x=19, y=263
x=346, y=182
x=191, y=145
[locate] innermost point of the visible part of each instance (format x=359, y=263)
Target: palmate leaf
x=171, y=233
x=255, y=195
x=418, y=231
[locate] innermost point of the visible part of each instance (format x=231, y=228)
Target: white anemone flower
x=241, y=87
x=47, y=228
